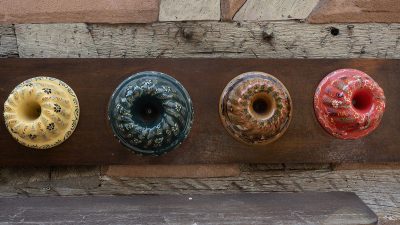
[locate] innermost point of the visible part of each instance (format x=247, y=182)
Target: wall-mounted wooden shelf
x=94, y=80
x=266, y=208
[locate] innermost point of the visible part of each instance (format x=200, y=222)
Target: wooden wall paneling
x=305, y=141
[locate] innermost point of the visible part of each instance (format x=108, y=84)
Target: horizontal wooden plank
x=304, y=142
x=359, y=11
x=209, y=39
x=268, y=208
x=178, y=171
x=69, y=11
x=379, y=189
x=66, y=40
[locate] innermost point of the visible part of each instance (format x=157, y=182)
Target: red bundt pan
x=349, y=104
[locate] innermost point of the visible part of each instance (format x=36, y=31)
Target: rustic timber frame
x=377, y=185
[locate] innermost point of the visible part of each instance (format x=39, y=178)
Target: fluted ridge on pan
x=239, y=102
x=59, y=112
x=236, y=102
x=337, y=113
x=171, y=124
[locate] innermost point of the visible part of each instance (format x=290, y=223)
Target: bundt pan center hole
x=31, y=110
x=148, y=109
x=262, y=106
x=362, y=100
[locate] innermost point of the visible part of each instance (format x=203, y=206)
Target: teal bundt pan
x=150, y=113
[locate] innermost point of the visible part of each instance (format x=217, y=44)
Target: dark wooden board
x=269, y=208
x=305, y=141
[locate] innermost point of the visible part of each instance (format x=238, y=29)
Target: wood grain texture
x=360, y=11
x=379, y=189
x=69, y=40
x=266, y=208
x=229, y=8
x=8, y=42
x=304, y=142
x=177, y=171
x=209, y=40
x=64, y=11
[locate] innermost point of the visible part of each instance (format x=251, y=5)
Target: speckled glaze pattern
x=57, y=116
x=240, y=119
x=336, y=107
x=161, y=134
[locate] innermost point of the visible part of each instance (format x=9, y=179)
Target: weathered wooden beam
x=177, y=171
x=379, y=189
x=55, y=40
x=210, y=39
x=8, y=42
x=226, y=209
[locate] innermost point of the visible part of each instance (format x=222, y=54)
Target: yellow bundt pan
x=41, y=112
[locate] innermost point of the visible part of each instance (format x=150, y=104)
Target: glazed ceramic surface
x=349, y=104
x=255, y=108
x=41, y=112
x=150, y=113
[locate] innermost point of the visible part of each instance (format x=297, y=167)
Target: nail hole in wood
x=187, y=34
x=267, y=35
x=334, y=31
